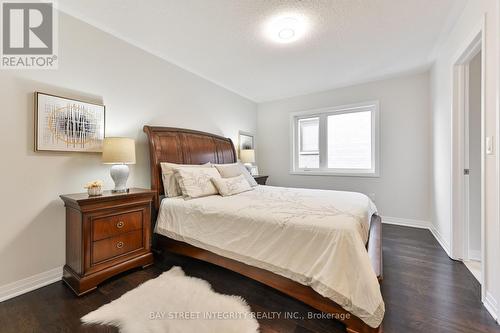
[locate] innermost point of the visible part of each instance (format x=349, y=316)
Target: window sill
x=335, y=174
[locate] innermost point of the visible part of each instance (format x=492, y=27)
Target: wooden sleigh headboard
x=184, y=146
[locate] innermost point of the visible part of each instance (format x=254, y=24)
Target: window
x=336, y=141
x=309, y=143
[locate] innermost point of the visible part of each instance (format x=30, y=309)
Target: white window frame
x=300, y=150
x=322, y=114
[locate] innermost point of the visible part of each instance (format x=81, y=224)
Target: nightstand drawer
x=111, y=226
x=115, y=246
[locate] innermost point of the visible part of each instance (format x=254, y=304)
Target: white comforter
x=314, y=237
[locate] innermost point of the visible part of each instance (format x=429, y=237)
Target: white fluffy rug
x=174, y=303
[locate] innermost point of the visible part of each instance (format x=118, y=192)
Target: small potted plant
x=94, y=188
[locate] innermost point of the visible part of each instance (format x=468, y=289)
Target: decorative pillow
x=232, y=186
x=196, y=182
x=170, y=185
x=233, y=170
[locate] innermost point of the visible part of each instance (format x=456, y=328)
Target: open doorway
x=472, y=166
x=468, y=155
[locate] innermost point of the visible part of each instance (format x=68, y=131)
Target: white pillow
x=170, y=185
x=231, y=186
x=233, y=170
x=196, y=182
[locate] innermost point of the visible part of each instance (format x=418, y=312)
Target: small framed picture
x=63, y=124
x=246, y=141
x=254, y=170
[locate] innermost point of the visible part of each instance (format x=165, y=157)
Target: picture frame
x=254, y=170
x=68, y=125
x=246, y=140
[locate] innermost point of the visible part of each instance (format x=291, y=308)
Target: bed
x=220, y=231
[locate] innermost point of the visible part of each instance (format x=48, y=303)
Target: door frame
x=459, y=186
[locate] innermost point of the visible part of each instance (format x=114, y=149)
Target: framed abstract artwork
x=63, y=124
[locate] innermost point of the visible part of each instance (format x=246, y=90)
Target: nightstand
x=106, y=235
x=261, y=180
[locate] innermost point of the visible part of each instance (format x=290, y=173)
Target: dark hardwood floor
x=423, y=289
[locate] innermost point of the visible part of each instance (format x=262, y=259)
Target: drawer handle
x=119, y=245
x=120, y=225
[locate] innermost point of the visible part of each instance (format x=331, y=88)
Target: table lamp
x=119, y=152
x=247, y=156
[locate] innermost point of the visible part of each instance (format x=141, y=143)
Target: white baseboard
x=444, y=244
x=474, y=255
x=36, y=281
x=406, y=222
x=491, y=305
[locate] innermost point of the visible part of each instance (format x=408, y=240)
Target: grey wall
x=137, y=89
x=402, y=190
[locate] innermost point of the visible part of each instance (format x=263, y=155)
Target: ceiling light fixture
x=286, y=28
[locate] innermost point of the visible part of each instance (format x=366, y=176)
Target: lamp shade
x=118, y=151
x=247, y=155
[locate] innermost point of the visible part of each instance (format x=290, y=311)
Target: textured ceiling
x=349, y=41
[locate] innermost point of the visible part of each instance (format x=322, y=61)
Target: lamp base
x=120, y=191
x=119, y=174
